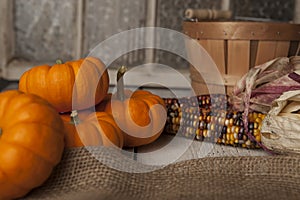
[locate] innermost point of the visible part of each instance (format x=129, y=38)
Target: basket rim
x=242, y=30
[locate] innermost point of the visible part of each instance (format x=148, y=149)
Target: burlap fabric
x=81, y=176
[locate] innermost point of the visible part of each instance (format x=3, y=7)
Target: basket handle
x=207, y=14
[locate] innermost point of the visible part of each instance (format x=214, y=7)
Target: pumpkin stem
x=0, y=132
x=74, y=118
x=120, y=83
x=59, y=61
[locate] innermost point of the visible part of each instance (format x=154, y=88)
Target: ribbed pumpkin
x=56, y=83
x=91, y=129
x=31, y=142
x=140, y=115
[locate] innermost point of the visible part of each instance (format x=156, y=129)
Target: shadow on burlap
x=81, y=176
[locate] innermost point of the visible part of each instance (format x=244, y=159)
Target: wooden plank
x=238, y=60
x=6, y=35
x=242, y=30
x=193, y=57
x=294, y=48
x=198, y=84
x=129, y=152
x=253, y=52
x=192, y=50
x=216, y=49
x=201, y=87
x=168, y=149
x=266, y=51
x=169, y=92
x=238, y=57
x=282, y=48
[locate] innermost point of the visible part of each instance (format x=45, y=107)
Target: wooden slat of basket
x=192, y=50
x=193, y=55
x=198, y=84
x=282, y=48
x=265, y=51
x=201, y=87
x=268, y=50
x=238, y=59
x=216, y=49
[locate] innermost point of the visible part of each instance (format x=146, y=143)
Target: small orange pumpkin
x=140, y=115
x=84, y=129
x=83, y=82
x=31, y=142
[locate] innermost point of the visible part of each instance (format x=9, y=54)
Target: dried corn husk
x=264, y=83
x=281, y=127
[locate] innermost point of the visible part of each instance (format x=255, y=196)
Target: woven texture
x=81, y=176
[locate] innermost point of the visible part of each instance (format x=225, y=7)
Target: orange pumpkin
x=140, y=115
x=82, y=83
x=31, y=142
x=91, y=129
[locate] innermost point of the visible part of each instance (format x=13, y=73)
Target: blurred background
x=41, y=31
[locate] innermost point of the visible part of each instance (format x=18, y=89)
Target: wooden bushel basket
x=235, y=47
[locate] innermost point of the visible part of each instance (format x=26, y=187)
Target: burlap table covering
x=81, y=176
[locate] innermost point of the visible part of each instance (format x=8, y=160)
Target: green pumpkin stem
x=74, y=118
x=120, y=83
x=59, y=61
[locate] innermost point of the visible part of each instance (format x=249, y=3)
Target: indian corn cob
x=211, y=118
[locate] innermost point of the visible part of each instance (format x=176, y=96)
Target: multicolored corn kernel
x=211, y=118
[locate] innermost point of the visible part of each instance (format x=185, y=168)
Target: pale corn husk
x=280, y=130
